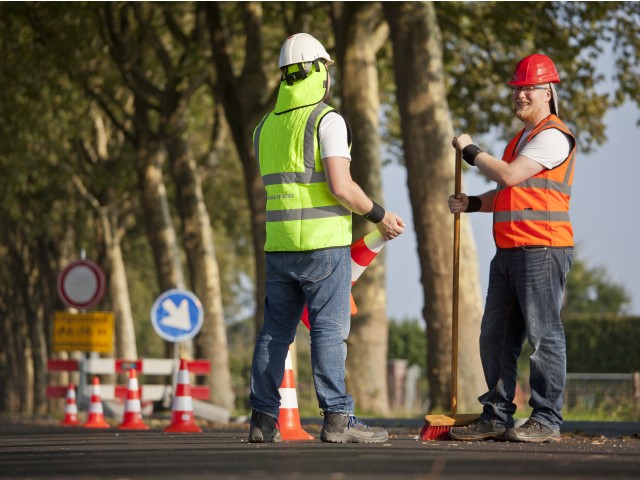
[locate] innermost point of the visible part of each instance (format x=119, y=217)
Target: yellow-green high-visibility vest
x=302, y=214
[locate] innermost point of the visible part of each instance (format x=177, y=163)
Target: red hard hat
x=534, y=70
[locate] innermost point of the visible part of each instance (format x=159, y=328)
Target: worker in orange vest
x=534, y=240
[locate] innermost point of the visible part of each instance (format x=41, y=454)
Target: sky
x=605, y=213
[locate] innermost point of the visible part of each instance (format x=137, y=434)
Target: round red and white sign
x=81, y=284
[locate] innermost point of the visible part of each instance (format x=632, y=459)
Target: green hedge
x=602, y=343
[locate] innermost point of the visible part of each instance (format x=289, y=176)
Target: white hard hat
x=301, y=48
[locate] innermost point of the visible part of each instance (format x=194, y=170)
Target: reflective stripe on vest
x=536, y=211
x=302, y=214
x=306, y=213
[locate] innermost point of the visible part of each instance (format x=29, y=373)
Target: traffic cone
x=182, y=419
x=364, y=251
x=289, y=418
x=96, y=415
x=132, y=419
x=71, y=408
x=362, y=254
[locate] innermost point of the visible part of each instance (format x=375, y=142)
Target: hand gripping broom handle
x=454, y=296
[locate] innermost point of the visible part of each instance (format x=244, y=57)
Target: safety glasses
x=528, y=89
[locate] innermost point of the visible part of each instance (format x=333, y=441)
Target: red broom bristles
x=430, y=432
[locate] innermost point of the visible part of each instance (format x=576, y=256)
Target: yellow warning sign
x=84, y=332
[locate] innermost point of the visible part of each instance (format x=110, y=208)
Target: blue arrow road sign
x=177, y=315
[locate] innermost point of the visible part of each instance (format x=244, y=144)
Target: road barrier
x=111, y=366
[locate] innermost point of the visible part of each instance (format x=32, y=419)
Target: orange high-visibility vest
x=536, y=211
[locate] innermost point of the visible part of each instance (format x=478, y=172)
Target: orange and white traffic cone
x=96, y=415
x=71, y=408
x=362, y=254
x=364, y=251
x=132, y=419
x=182, y=418
x=289, y=418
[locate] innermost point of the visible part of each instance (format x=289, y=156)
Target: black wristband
x=376, y=214
x=475, y=204
x=469, y=154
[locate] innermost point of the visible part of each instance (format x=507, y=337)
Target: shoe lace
x=531, y=424
x=354, y=422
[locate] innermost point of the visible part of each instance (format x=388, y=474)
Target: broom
x=437, y=427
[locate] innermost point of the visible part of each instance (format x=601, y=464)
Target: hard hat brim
x=521, y=83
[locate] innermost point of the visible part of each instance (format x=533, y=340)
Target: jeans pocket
x=315, y=266
x=568, y=260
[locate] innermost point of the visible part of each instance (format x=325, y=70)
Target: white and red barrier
x=110, y=366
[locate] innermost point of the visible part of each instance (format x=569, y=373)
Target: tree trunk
x=160, y=230
x=125, y=334
x=6, y=339
x=159, y=225
x=246, y=98
x=20, y=359
x=426, y=133
x=42, y=316
x=200, y=249
x=357, y=43
x=34, y=376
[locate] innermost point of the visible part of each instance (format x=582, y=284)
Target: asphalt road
x=38, y=450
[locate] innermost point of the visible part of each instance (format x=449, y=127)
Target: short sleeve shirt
x=549, y=148
x=333, y=136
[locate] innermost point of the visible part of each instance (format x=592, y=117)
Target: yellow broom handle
x=454, y=296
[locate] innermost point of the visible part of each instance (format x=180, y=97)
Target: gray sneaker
x=343, y=428
x=263, y=428
x=476, y=430
x=532, y=431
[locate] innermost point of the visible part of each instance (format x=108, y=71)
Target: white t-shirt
x=549, y=148
x=333, y=135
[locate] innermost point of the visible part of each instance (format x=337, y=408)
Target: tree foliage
x=407, y=340
x=591, y=290
x=479, y=60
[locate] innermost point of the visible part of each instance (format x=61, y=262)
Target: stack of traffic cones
x=132, y=419
x=96, y=415
x=362, y=254
x=289, y=418
x=71, y=408
x=182, y=418
x=364, y=251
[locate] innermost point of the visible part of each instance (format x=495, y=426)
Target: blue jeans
x=322, y=280
x=524, y=299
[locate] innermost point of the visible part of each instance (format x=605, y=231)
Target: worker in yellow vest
x=534, y=240
x=303, y=149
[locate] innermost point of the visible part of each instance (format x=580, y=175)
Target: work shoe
x=476, y=430
x=344, y=428
x=263, y=428
x=532, y=431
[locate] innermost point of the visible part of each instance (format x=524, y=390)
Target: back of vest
x=302, y=214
